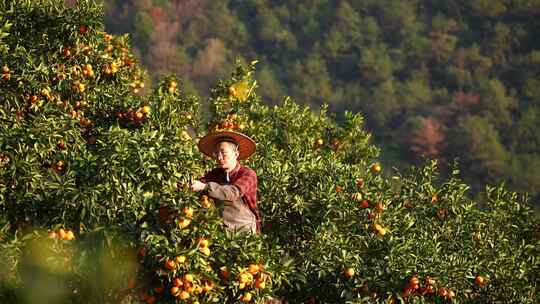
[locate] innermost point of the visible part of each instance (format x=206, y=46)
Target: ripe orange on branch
x=479, y=280
x=348, y=272
x=170, y=264
x=184, y=295
x=364, y=204
x=253, y=269
x=357, y=196
x=177, y=282
x=246, y=298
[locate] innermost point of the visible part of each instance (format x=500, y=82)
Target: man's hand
x=197, y=185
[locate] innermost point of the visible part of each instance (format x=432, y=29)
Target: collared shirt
x=238, y=186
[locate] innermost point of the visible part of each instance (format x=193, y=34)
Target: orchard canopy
x=95, y=208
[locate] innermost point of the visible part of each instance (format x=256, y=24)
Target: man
x=231, y=183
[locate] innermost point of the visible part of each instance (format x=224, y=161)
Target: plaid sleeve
x=246, y=182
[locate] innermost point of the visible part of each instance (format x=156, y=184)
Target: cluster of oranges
x=136, y=86
x=183, y=222
x=182, y=286
x=252, y=277
x=319, y=142
x=133, y=118
x=6, y=73
x=173, y=85
x=63, y=234
x=204, y=245
x=58, y=166
x=229, y=123
x=205, y=201
x=413, y=286
x=110, y=68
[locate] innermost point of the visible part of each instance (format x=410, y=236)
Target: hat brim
x=246, y=145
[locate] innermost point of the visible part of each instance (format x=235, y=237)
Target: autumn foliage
x=95, y=208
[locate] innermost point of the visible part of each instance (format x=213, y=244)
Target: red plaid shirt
x=245, y=179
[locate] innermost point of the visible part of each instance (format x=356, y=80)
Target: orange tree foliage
x=95, y=206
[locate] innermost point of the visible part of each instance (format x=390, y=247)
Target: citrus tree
x=95, y=165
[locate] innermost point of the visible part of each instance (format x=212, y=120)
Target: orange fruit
x=69, y=235
x=224, y=272
x=429, y=289
x=442, y=292
x=349, y=272
x=357, y=196
x=479, y=280
x=183, y=223
x=83, y=29
x=203, y=242
x=61, y=144
x=245, y=277
x=260, y=284
x=188, y=278
x=246, y=298
x=232, y=91
x=184, y=135
x=184, y=295
x=62, y=233
x=414, y=281
x=180, y=259
x=376, y=168
x=253, y=269
x=364, y=204
x=408, y=205
x=429, y=281
x=205, y=250
x=451, y=294
x=33, y=99
x=170, y=264
x=174, y=291
x=208, y=286
x=189, y=288
x=197, y=289
x=188, y=211
x=177, y=282
x=379, y=207
x=145, y=109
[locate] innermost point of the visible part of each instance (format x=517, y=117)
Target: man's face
x=226, y=155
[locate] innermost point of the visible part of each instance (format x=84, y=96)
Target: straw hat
x=246, y=145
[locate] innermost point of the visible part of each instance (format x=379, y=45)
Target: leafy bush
x=94, y=169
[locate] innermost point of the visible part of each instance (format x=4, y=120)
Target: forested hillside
x=441, y=79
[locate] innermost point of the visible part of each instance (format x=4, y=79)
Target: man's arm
x=223, y=192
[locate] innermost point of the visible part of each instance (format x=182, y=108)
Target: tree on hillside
x=411, y=58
